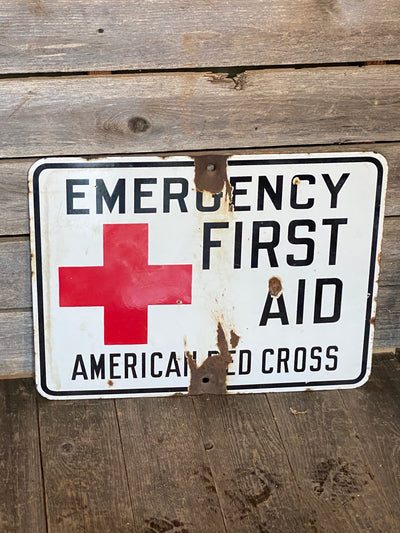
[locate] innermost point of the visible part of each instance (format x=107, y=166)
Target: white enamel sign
x=137, y=274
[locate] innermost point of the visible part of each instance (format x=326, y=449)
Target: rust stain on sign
x=210, y=174
x=234, y=339
x=210, y=376
x=275, y=286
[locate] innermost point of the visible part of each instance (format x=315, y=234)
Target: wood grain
x=60, y=35
x=14, y=218
x=16, y=344
x=375, y=416
x=15, y=274
x=21, y=489
x=387, y=331
x=315, y=462
x=84, y=469
x=170, y=480
x=197, y=111
x=252, y=474
x=334, y=473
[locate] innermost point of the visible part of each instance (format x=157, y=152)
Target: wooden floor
x=285, y=462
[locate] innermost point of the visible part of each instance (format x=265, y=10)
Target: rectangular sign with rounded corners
x=211, y=274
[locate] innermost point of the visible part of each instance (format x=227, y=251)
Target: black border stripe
x=233, y=163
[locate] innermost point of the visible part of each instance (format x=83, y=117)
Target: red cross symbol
x=126, y=284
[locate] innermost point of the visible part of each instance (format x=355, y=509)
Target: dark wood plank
x=83, y=467
x=170, y=480
x=252, y=474
x=16, y=344
x=21, y=488
x=374, y=410
x=14, y=218
x=58, y=35
x=198, y=111
x=335, y=475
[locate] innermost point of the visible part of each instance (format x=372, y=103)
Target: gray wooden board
x=21, y=489
x=58, y=35
x=330, y=464
x=195, y=111
x=83, y=467
x=170, y=481
x=15, y=274
x=16, y=344
x=14, y=218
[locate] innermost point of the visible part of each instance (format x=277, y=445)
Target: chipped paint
x=275, y=286
x=234, y=339
x=210, y=377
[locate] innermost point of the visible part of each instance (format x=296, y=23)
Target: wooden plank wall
x=200, y=75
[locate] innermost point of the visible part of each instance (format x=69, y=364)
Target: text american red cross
x=125, y=285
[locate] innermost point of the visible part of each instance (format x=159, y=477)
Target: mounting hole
x=100, y=30
x=205, y=379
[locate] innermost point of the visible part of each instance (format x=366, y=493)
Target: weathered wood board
x=60, y=35
x=301, y=462
x=14, y=218
x=223, y=78
x=22, y=504
x=78, y=495
x=166, y=491
x=183, y=111
x=330, y=462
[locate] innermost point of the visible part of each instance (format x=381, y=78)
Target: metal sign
x=218, y=274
